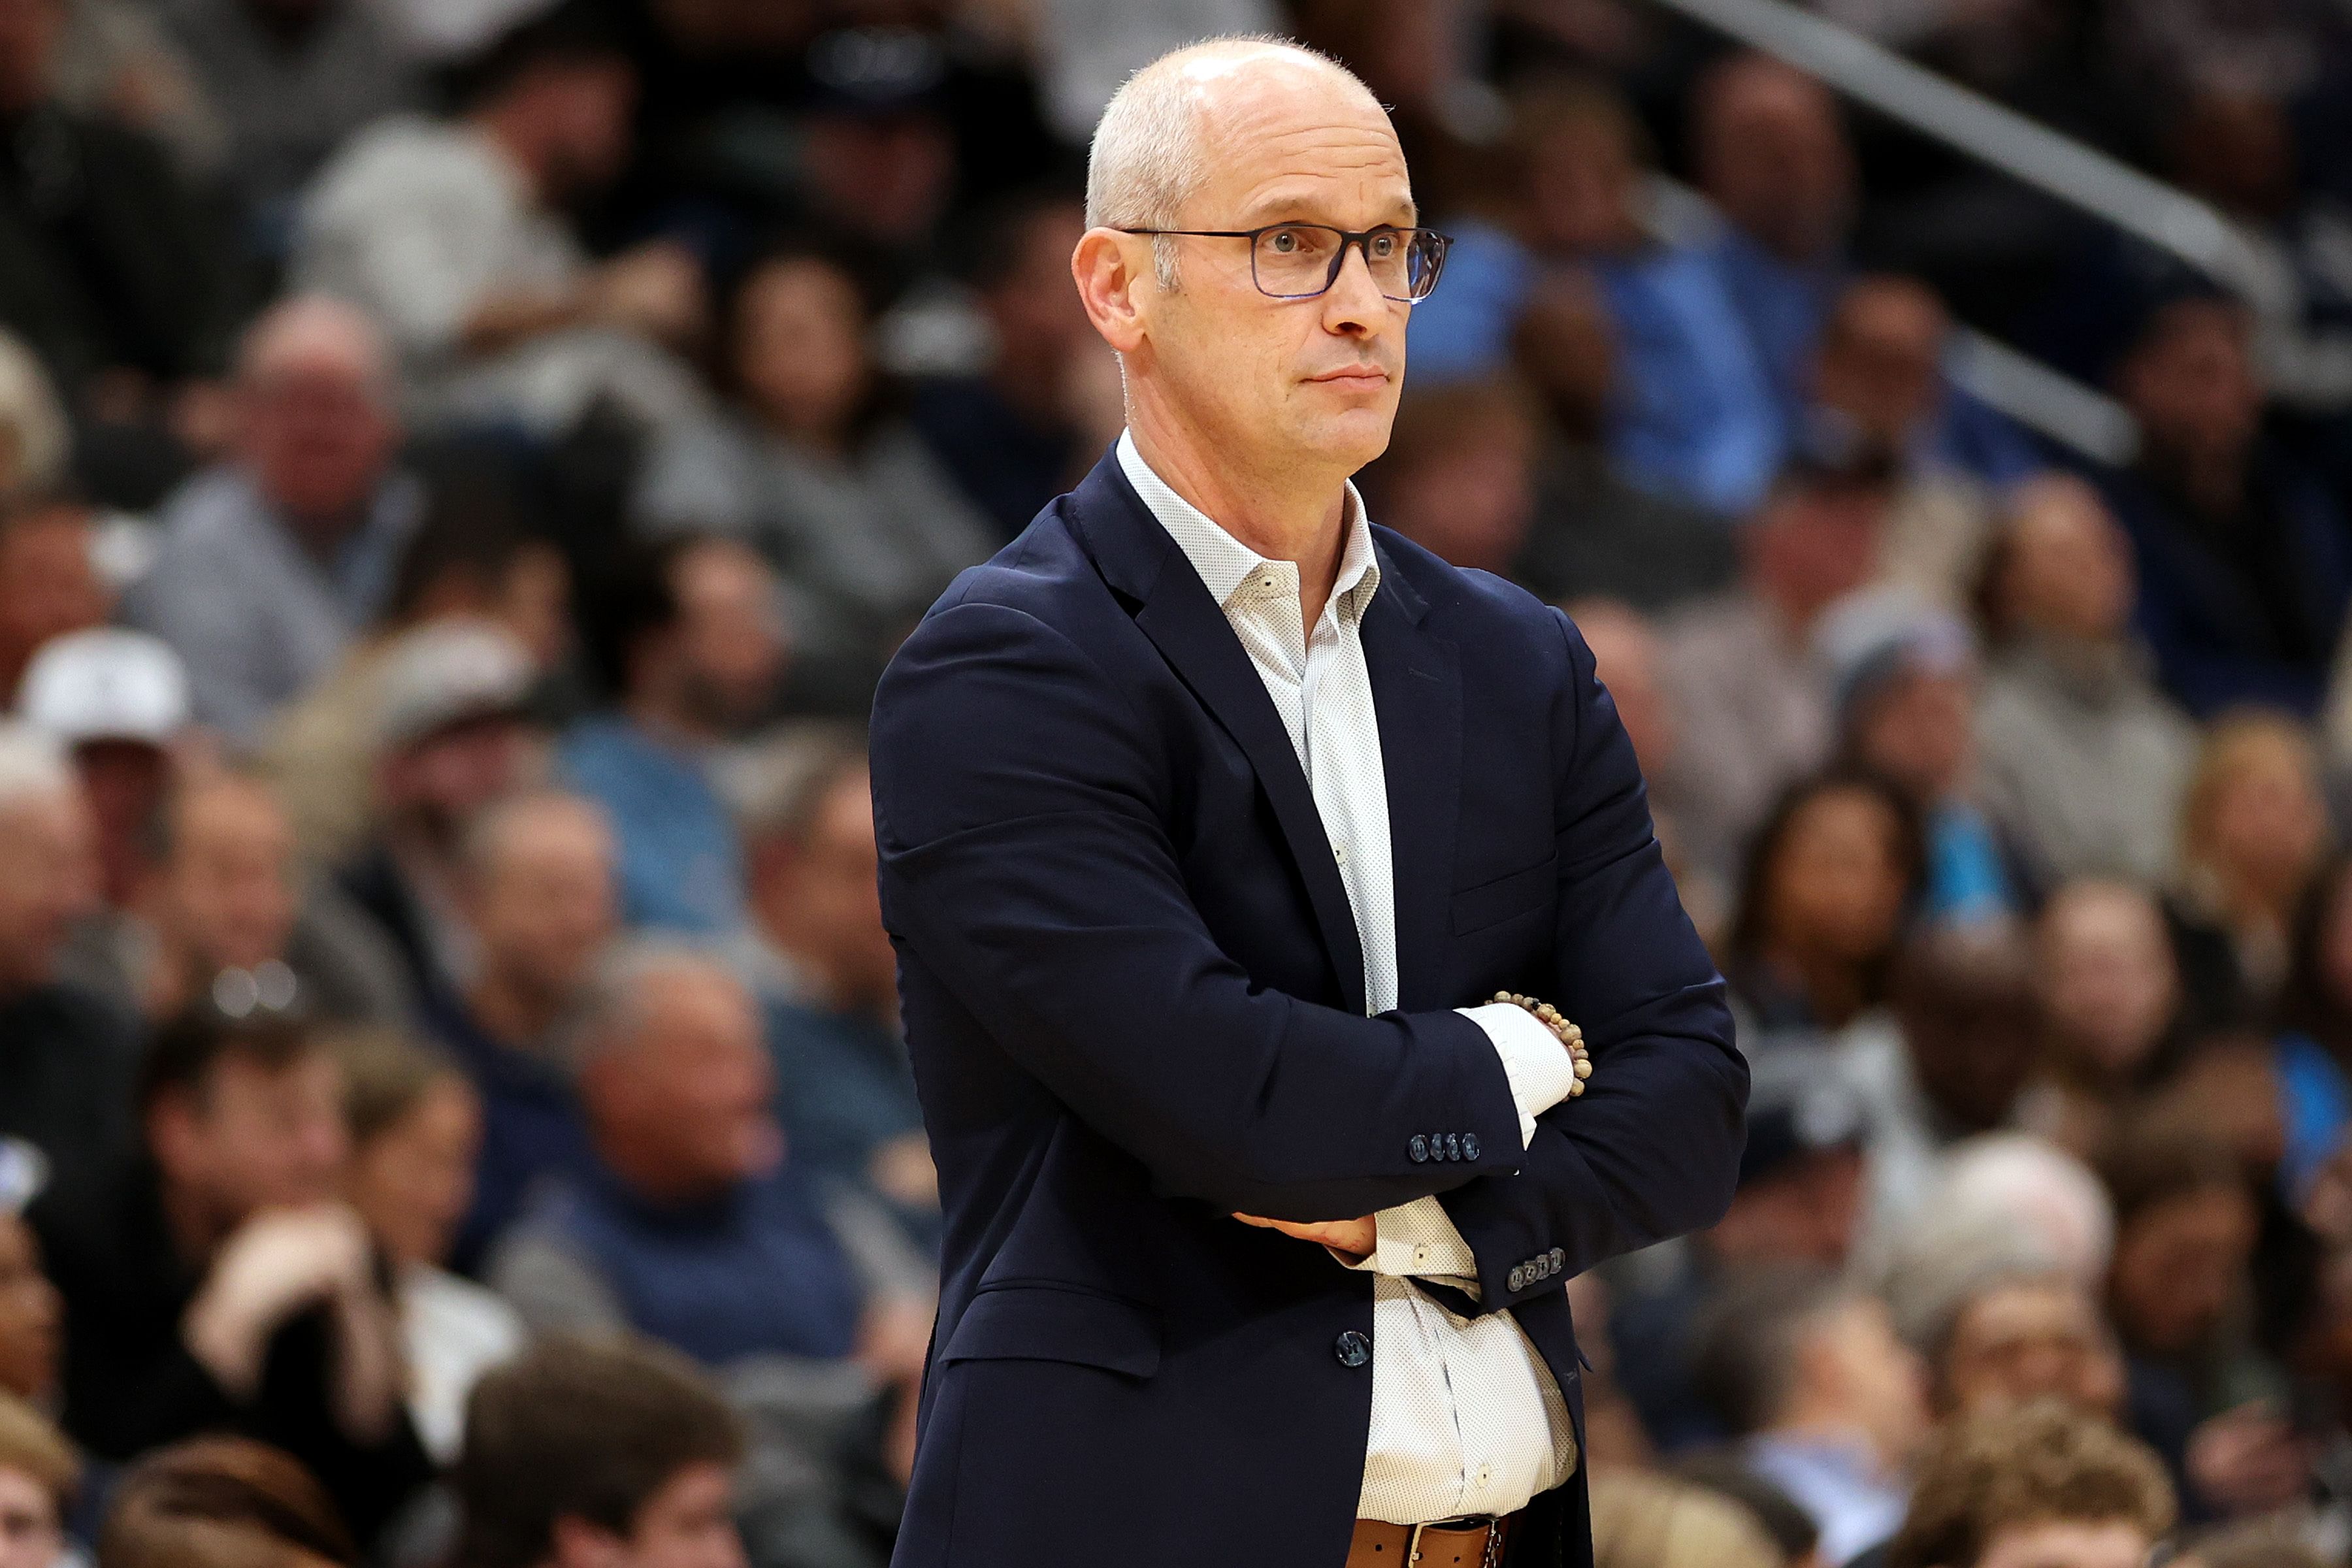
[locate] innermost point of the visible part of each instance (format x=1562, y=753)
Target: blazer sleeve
x=1650, y=1150
x=1019, y=806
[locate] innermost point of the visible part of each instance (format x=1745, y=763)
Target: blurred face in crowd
x=1811, y=544
x=886, y=176
x=30, y=1533
x=1836, y=884
x=2237, y=149
x=799, y=349
x=688, y=1524
x=1032, y=307
x=255, y=1135
x=1627, y=657
x=49, y=583
x=227, y=889
x=1272, y=386
x=2026, y=1338
x=29, y=40
x=1881, y=359
x=678, y=1097
x=1806, y=1214
x=318, y=431
x=49, y=880
x=817, y=897
x=1469, y=495
x=1773, y=155
x=127, y=782
x=2067, y=1543
x=2108, y=982
x=2177, y=1266
x=715, y=667
x=1967, y=1005
x=1854, y=1365
x=2065, y=567
x=32, y=1318
x=2191, y=383
x=413, y=1181
x=1583, y=178
x=1917, y=730
x=541, y=901
x=573, y=116
x=439, y=786
x=2256, y=818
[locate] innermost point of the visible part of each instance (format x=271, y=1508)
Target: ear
x=1113, y=271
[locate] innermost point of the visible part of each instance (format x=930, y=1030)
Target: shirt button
x=1338, y=852
x=1486, y=1475
x=1352, y=1349
x=1418, y=1149
x=1420, y=1256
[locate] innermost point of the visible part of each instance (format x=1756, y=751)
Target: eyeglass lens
x=1303, y=260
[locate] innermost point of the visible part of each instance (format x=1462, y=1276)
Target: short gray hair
x=1151, y=147
x=615, y=998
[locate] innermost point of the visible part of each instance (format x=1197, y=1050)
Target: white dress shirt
x=1466, y=1418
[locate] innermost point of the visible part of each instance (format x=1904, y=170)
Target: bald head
x=311, y=335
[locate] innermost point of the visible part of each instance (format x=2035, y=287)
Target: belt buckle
x=1490, y=1556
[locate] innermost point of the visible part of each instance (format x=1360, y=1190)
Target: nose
x=1354, y=306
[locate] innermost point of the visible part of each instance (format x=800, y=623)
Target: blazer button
x=1469, y=1145
x=1352, y=1349
x=1418, y=1149
x=1517, y=1279
x=1453, y=1145
x=1558, y=1259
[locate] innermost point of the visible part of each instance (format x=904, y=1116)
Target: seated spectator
x=2040, y=1484
x=38, y=1474
x=2111, y=1010
x=119, y=700
x=598, y=1455
x=470, y=561
x=1906, y=682
x=1742, y=666
x=692, y=648
x=1458, y=475
x=416, y=1130
x=828, y=977
x=2084, y=759
x=223, y=1502
x=1999, y=1326
x=453, y=234
x=66, y=1076
x=32, y=1321
x=219, y=1284
x=449, y=734
x=2244, y=563
x=2253, y=832
x=268, y=565
x=292, y=79
x=1651, y=1522
x=1008, y=436
x=2046, y=1199
x=538, y=898
x=810, y=467
x=687, y=1228
x=49, y=581
x=1832, y=879
x=225, y=918
x=1831, y=1404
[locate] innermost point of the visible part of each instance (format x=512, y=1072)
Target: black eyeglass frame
x=1357, y=239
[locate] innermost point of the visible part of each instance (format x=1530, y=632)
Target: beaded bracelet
x=1569, y=1035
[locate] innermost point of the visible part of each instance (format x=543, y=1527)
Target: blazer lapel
x=1417, y=692
x=1140, y=560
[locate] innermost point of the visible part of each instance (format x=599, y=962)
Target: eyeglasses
x=1301, y=260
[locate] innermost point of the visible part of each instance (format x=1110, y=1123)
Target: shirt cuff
x=1538, y=1067
x=1418, y=1237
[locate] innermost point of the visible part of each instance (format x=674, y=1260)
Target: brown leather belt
x=1465, y=1543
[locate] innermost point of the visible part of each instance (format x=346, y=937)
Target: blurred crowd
x=463, y=465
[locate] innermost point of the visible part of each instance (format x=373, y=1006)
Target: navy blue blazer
x=1134, y=1000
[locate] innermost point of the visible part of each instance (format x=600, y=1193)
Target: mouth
x=1354, y=377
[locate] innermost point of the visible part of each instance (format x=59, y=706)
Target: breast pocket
x=1042, y=1322
x=1506, y=898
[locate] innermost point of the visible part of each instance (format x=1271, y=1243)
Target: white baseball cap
x=106, y=684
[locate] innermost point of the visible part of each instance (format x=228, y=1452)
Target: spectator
x=119, y=700
x=1458, y=475
x=2046, y=1200
x=268, y=565
x=452, y=234
x=2111, y=1009
x=538, y=894
x=292, y=79
x=2084, y=760
x=1742, y=666
x=2039, y=1484
x=416, y=1130
x=585, y=1455
x=38, y=1474
x=218, y=1283
x=692, y=651
x=66, y=1075
x=32, y=1319
x=1008, y=436
x=2254, y=831
x=812, y=468
x=1998, y=1326
x=2243, y=564
x=1650, y=1521
x=49, y=581
x=223, y=1502
x=1831, y=1404
x=1832, y=879
x=1906, y=675
x=829, y=976
x=450, y=732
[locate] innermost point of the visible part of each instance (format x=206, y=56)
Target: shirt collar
x=1226, y=563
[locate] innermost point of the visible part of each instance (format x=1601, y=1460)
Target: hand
x=2248, y=1460
x=1356, y=1237
x=656, y=289
x=277, y=1263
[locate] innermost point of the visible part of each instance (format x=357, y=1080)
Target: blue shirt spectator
x=681, y=866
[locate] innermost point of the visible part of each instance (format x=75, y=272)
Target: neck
x=512, y=1011
x=1283, y=509
x=668, y=722
x=1832, y=988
